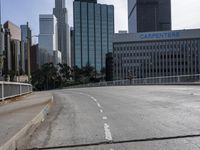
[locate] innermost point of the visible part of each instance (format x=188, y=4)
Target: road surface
x=123, y=118
x=17, y=114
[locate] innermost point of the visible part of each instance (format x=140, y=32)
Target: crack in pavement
x=120, y=142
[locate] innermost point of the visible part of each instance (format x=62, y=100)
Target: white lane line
x=94, y=99
x=111, y=149
x=101, y=111
x=98, y=105
x=108, y=135
x=105, y=118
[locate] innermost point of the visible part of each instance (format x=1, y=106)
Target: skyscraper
x=13, y=49
x=48, y=38
x=26, y=36
x=48, y=33
x=93, y=31
x=149, y=15
x=63, y=30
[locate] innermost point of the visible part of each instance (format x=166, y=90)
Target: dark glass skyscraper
x=63, y=30
x=93, y=30
x=149, y=15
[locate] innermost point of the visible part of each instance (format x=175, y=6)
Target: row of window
x=193, y=44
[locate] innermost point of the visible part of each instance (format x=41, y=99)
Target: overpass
x=121, y=118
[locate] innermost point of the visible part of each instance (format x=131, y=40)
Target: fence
x=12, y=89
x=167, y=80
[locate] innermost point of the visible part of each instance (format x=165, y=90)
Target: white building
x=48, y=35
x=156, y=54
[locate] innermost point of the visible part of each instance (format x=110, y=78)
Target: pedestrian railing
x=12, y=89
x=167, y=80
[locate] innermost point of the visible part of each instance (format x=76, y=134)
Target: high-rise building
x=72, y=46
x=14, y=30
x=149, y=15
x=48, y=36
x=61, y=14
x=34, y=59
x=13, y=48
x=2, y=49
x=7, y=58
x=2, y=43
x=26, y=36
x=93, y=32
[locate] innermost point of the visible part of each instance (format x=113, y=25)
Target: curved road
x=123, y=118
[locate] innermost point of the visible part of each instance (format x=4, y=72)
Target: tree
x=46, y=78
x=38, y=80
x=65, y=72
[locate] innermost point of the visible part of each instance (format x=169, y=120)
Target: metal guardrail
x=12, y=89
x=167, y=80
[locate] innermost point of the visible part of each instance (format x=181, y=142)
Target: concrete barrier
x=21, y=138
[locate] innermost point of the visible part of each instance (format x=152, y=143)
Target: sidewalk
x=15, y=116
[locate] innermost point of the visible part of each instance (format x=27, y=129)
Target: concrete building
x=13, y=47
x=26, y=38
x=34, y=60
x=2, y=41
x=15, y=56
x=149, y=15
x=93, y=30
x=2, y=50
x=60, y=12
x=72, y=46
x=48, y=39
x=57, y=57
x=109, y=67
x=155, y=54
x=7, y=58
x=15, y=31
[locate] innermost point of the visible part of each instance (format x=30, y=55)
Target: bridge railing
x=12, y=89
x=167, y=80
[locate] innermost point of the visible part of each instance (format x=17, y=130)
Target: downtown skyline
x=180, y=20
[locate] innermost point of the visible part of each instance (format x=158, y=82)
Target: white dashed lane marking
x=105, y=118
x=98, y=105
x=108, y=135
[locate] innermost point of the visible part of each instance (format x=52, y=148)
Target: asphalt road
x=17, y=114
x=123, y=118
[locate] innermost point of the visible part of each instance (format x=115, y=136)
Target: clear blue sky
x=185, y=13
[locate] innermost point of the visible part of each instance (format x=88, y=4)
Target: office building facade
x=72, y=46
x=149, y=15
x=13, y=48
x=26, y=38
x=156, y=54
x=61, y=14
x=2, y=50
x=93, y=33
x=34, y=60
x=7, y=54
x=48, y=37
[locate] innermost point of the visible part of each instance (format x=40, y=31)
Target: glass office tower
x=93, y=29
x=149, y=15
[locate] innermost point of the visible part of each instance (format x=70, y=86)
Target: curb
x=19, y=139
